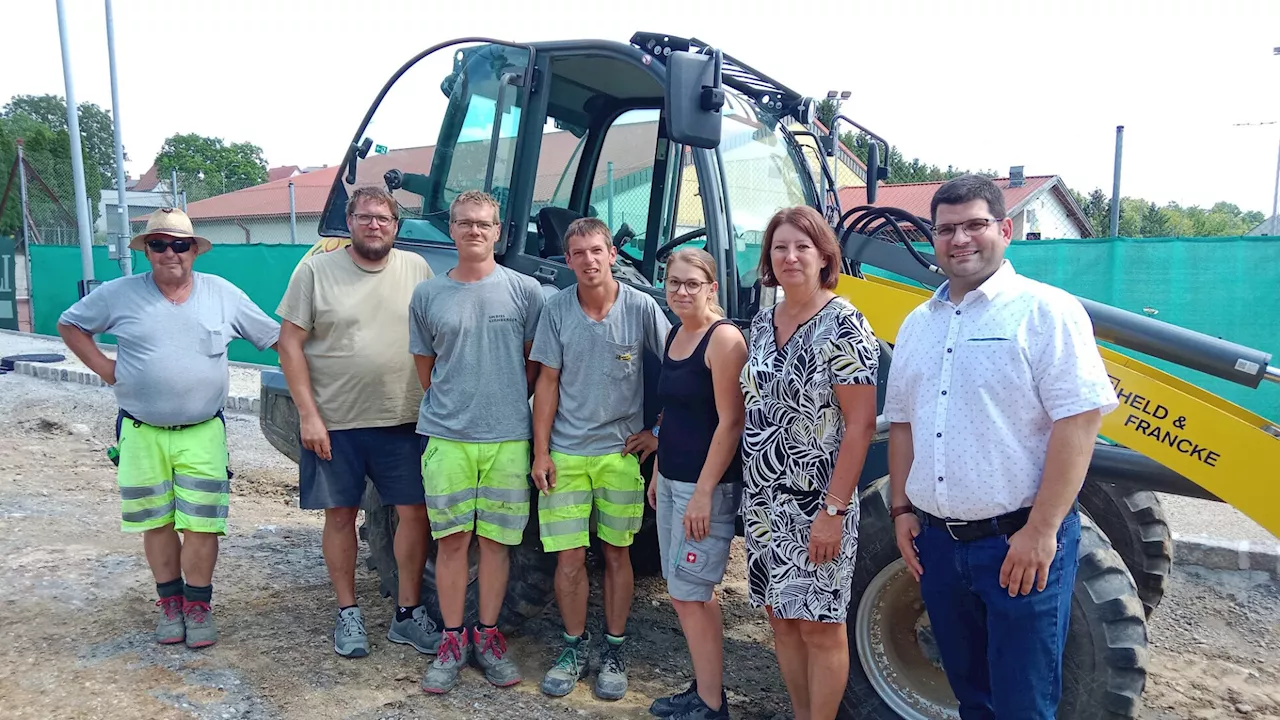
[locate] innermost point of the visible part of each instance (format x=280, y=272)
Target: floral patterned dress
x=793, y=431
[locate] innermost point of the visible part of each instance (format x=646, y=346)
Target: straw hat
x=172, y=222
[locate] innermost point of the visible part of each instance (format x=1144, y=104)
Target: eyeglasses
x=690, y=286
x=179, y=245
x=970, y=227
x=481, y=224
x=367, y=219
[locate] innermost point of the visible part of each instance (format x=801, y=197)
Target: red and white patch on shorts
x=691, y=557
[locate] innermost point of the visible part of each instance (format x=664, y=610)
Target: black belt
x=970, y=530
x=136, y=422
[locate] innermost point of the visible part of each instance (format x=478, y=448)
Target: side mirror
x=694, y=99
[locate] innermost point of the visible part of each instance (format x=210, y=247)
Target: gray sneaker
x=170, y=629
x=569, y=668
x=491, y=656
x=198, y=620
x=611, y=680
x=420, y=631
x=451, y=657
x=349, y=639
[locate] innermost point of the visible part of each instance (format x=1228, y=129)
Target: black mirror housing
x=694, y=98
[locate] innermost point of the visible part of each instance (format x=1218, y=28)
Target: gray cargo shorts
x=693, y=568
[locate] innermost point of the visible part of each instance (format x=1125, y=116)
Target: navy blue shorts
x=389, y=456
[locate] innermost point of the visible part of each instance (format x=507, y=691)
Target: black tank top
x=689, y=416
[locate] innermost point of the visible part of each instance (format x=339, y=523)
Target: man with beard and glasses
x=172, y=327
x=344, y=350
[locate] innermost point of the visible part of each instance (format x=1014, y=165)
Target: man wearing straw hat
x=172, y=326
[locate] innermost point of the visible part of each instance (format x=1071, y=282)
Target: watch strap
x=900, y=510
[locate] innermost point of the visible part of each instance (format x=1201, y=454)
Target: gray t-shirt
x=171, y=360
x=600, y=363
x=477, y=332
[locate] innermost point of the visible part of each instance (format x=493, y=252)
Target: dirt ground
x=76, y=637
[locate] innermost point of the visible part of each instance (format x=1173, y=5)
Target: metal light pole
x=122, y=201
x=1115, y=186
x=77, y=159
x=293, y=216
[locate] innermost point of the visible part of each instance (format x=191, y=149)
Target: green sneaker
x=451, y=657
x=491, y=656
x=569, y=668
x=611, y=680
x=198, y=619
x=170, y=629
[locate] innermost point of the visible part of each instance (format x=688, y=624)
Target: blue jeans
x=1002, y=655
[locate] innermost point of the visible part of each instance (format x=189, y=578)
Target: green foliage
x=41, y=122
x=208, y=166
x=1143, y=218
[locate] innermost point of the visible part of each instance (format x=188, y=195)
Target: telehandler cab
x=673, y=142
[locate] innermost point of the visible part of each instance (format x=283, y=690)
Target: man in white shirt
x=995, y=397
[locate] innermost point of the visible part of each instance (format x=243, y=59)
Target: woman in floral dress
x=810, y=392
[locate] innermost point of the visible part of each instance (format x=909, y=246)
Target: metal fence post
x=609, y=180
x=122, y=202
x=26, y=234
x=77, y=159
x=1115, y=187
x=293, y=217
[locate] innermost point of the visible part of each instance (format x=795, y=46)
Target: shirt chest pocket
x=993, y=362
x=621, y=361
x=213, y=338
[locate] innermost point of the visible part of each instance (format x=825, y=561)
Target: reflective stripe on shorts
x=611, y=484
x=477, y=487
x=176, y=477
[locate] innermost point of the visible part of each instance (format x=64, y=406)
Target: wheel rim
x=896, y=649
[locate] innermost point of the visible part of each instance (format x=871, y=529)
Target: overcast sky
x=978, y=84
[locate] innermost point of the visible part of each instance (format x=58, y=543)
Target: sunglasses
x=179, y=245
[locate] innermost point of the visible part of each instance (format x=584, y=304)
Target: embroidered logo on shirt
x=624, y=357
x=691, y=558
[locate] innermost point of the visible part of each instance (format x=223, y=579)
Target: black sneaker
x=672, y=704
x=697, y=710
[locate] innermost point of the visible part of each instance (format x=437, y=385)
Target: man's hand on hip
x=907, y=528
x=1031, y=552
x=315, y=437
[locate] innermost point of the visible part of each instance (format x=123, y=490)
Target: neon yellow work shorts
x=176, y=477
x=477, y=487
x=611, y=484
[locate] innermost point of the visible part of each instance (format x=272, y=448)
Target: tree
x=208, y=166
x=1154, y=223
x=40, y=121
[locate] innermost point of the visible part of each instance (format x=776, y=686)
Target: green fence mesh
x=262, y=271
x=1224, y=287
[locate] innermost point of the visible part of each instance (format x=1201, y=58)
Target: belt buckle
x=952, y=523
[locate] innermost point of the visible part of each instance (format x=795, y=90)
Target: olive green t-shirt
x=357, y=350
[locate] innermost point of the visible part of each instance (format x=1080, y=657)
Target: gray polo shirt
x=171, y=360
x=476, y=331
x=601, y=368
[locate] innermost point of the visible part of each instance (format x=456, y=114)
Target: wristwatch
x=655, y=430
x=833, y=510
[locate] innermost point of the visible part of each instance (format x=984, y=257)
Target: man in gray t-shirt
x=170, y=376
x=588, y=412
x=469, y=332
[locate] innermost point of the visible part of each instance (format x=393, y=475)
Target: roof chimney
x=1016, y=177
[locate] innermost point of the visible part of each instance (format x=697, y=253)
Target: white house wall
x=1048, y=216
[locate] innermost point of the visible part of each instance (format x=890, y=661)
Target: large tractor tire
x=894, y=670
x=1134, y=522
x=530, y=583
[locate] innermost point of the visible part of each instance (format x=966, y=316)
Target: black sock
x=170, y=589
x=460, y=630
x=482, y=626
x=199, y=594
x=405, y=613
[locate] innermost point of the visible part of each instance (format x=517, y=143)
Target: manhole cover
x=6, y=363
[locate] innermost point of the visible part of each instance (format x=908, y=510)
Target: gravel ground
x=76, y=641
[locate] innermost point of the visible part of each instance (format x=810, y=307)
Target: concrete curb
x=1220, y=554
x=235, y=403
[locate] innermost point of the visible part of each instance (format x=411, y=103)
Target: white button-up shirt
x=982, y=382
